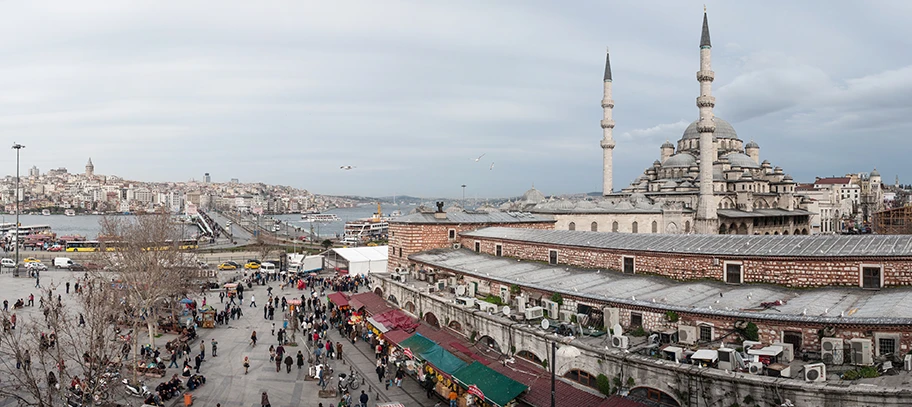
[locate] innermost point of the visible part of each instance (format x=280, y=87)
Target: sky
x=410, y=93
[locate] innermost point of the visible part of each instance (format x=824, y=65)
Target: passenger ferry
x=46, y=212
x=319, y=217
x=375, y=227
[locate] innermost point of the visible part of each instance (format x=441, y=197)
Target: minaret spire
x=706, y=220
x=607, y=142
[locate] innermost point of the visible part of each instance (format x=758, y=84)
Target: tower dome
x=724, y=129
x=875, y=173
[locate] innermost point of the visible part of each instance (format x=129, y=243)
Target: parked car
x=55, y=248
x=8, y=263
x=227, y=266
x=234, y=263
x=92, y=266
x=78, y=267
x=36, y=266
x=252, y=264
x=31, y=260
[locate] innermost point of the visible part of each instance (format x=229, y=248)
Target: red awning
x=338, y=298
x=371, y=302
x=397, y=335
x=396, y=319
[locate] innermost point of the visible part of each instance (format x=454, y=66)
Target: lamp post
x=17, y=147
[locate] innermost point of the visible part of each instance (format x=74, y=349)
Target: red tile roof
x=618, y=401
x=371, y=302
x=340, y=299
x=833, y=180
x=539, y=382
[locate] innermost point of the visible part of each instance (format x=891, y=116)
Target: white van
x=62, y=262
x=267, y=268
x=8, y=263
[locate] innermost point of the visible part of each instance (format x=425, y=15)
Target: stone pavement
x=226, y=382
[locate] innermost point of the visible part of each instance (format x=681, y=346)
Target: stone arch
x=530, y=356
x=489, y=342
x=392, y=299
x=634, y=227
x=804, y=231
x=797, y=232
x=742, y=230
x=594, y=227
x=379, y=292
x=455, y=325
x=766, y=233
x=582, y=377
x=656, y=396
x=723, y=229
x=671, y=228
x=655, y=227
x=614, y=226
x=431, y=319
x=733, y=229
x=776, y=233
x=410, y=307
x=785, y=232
x=571, y=226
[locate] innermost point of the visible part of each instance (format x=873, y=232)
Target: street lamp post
x=17, y=147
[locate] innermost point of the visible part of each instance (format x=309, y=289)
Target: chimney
x=440, y=214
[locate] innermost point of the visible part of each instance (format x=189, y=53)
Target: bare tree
x=40, y=358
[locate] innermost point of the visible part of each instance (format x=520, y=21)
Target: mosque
x=709, y=182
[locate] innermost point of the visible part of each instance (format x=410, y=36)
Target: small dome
x=741, y=160
x=751, y=144
x=585, y=205
x=454, y=208
x=564, y=205
x=724, y=129
x=680, y=160
x=656, y=163
x=669, y=184
x=875, y=173
x=533, y=196
x=668, y=145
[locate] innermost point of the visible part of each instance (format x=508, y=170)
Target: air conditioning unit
x=534, y=313
x=727, y=359
x=907, y=362
x=620, y=341
x=788, y=352
x=673, y=353
x=520, y=302
x=486, y=306
x=441, y=285
x=831, y=351
x=815, y=372
x=465, y=301
x=565, y=315
x=786, y=372
x=748, y=345
x=457, y=246
x=755, y=368
x=862, y=351
x=612, y=316
x=552, y=308
x=687, y=334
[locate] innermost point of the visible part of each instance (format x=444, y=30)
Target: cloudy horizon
x=410, y=93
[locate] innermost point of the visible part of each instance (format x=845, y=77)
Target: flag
x=475, y=391
x=408, y=352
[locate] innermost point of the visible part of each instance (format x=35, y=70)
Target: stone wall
x=689, y=385
x=791, y=272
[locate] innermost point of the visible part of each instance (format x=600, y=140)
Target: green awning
x=496, y=387
x=441, y=359
x=417, y=343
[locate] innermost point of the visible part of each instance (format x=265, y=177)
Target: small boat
x=46, y=212
x=70, y=212
x=319, y=217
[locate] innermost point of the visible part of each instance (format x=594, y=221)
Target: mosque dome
x=724, y=129
x=741, y=160
x=585, y=205
x=752, y=144
x=533, y=196
x=875, y=173
x=668, y=144
x=680, y=160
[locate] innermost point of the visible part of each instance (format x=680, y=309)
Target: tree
x=326, y=243
x=60, y=348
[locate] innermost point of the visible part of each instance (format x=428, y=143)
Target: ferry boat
x=70, y=212
x=46, y=212
x=375, y=227
x=319, y=217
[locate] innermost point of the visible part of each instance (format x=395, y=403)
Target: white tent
x=362, y=260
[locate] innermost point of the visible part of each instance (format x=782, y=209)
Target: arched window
x=687, y=227
x=634, y=227
x=529, y=356
x=614, y=226
x=655, y=227
x=594, y=227
x=582, y=377
x=572, y=226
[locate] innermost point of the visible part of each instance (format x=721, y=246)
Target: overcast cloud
x=410, y=92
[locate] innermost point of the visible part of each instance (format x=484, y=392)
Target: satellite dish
x=506, y=311
x=545, y=324
x=460, y=290
x=618, y=330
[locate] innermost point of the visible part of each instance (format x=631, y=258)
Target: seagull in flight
x=492, y=166
x=479, y=157
x=347, y=167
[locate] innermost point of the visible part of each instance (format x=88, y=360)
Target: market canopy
x=444, y=361
x=496, y=387
x=417, y=343
x=370, y=301
x=338, y=298
x=393, y=319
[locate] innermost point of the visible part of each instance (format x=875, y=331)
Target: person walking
x=202, y=350
x=252, y=301
x=380, y=372
x=173, y=359
x=246, y=364
x=214, y=347
x=198, y=360
x=264, y=400
x=68, y=287
x=300, y=360
x=288, y=362
x=253, y=339
x=452, y=397
x=339, y=350
x=278, y=363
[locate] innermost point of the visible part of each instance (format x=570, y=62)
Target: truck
x=304, y=264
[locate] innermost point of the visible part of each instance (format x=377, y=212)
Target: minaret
x=90, y=169
x=607, y=129
x=706, y=221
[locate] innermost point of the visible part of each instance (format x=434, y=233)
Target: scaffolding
x=896, y=221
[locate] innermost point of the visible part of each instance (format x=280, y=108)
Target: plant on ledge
x=493, y=299
x=556, y=297
x=514, y=289
x=671, y=316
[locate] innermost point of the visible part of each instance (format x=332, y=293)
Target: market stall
x=487, y=386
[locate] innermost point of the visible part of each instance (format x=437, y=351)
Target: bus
x=95, y=245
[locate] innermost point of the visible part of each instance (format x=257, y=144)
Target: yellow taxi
x=31, y=260
x=227, y=266
x=252, y=265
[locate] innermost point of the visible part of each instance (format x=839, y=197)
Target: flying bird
x=492, y=166
x=479, y=157
x=347, y=167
